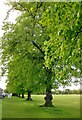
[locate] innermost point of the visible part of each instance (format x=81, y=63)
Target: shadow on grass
x=52, y=110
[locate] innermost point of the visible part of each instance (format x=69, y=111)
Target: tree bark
x=22, y=95
x=29, y=96
x=48, y=99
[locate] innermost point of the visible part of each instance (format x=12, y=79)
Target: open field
x=65, y=106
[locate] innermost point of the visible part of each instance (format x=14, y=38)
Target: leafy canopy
x=46, y=37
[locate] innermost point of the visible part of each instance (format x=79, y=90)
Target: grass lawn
x=65, y=106
x=0, y=108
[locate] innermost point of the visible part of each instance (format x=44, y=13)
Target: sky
x=13, y=15
x=3, y=12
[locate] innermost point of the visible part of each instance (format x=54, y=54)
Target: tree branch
x=24, y=9
x=38, y=47
x=76, y=35
x=38, y=6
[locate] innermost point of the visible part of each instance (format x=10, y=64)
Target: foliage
x=43, y=47
x=64, y=26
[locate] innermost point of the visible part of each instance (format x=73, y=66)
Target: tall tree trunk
x=29, y=96
x=22, y=95
x=48, y=98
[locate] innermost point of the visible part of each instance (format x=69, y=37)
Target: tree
x=24, y=76
x=45, y=33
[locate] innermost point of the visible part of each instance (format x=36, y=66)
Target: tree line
x=67, y=91
x=41, y=50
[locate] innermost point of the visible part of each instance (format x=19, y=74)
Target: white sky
x=13, y=15
x=3, y=12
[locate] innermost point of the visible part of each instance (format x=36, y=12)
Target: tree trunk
x=48, y=99
x=22, y=95
x=19, y=95
x=29, y=96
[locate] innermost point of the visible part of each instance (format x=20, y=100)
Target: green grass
x=65, y=106
x=0, y=108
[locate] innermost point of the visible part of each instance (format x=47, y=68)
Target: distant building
x=1, y=91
